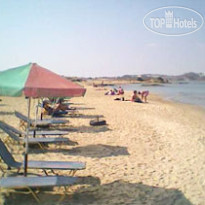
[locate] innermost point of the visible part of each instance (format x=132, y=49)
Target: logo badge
x=173, y=21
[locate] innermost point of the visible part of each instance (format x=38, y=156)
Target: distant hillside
x=191, y=76
x=167, y=78
x=146, y=78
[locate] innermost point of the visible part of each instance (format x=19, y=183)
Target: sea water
x=190, y=93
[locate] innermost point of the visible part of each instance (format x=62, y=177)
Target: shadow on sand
x=36, y=149
x=94, y=151
x=98, y=151
x=85, y=108
x=6, y=113
x=82, y=116
x=70, y=103
x=86, y=129
x=117, y=192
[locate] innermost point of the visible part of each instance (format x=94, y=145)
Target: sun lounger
x=31, y=140
x=73, y=166
x=58, y=115
x=33, y=132
x=37, y=182
x=44, y=122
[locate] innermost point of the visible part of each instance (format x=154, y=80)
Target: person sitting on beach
x=144, y=95
x=95, y=85
x=56, y=110
x=62, y=106
x=135, y=97
x=47, y=108
x=120, y=91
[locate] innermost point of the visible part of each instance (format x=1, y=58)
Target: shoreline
x=167, y=98
x=192, y=106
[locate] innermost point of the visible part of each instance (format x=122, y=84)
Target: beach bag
x=97, y=122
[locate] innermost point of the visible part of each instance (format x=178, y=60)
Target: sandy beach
x=151, y=153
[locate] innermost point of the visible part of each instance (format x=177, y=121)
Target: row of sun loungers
x=35, y=132
x=44, y=165
x=44, y=122
x=32, y=140
x=30, y=182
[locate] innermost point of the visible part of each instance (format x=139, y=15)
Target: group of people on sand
x=55, y=107
x=115, y=91
x=140, y=97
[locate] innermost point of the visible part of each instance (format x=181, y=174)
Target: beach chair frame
x=29, y=186
x=38, y=141
x=9, y=160
x=38, y=123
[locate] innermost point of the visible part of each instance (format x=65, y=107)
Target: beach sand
x=151, y=153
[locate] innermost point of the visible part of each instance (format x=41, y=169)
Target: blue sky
x=96, y=38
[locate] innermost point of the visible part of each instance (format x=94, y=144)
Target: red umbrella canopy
x=36, y=81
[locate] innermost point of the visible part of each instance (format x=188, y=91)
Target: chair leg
x=46, y=173
x=33, y=194
x=22, y=125
x=41, y=146
x=63, y=196
x=3, y=172
x=72, y=172
x=18, y=170
x=9, y=142
x=28, y=191
x=54, y=172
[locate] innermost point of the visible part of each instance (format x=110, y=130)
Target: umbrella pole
x=27, y=132
x=36, y=112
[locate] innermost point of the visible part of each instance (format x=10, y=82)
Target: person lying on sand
x=135, y=97
x=111, y=92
